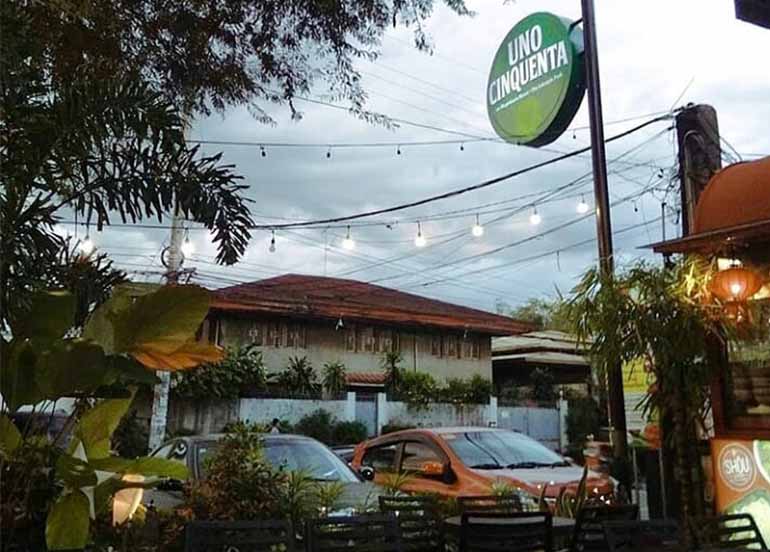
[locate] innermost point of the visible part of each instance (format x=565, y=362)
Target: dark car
x=289, y=452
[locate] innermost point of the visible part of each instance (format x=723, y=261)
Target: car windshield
x=500, y=449
x=303, y=455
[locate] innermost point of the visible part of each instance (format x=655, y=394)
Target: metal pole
x=617, y=405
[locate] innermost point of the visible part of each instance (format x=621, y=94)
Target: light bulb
x=187, y=248
x=582, y=207
x=535, y=218
x=477, y=229
x=87, y=246
x=736, y=289
x=348, y=243
x=272, y=243
x=420, y=240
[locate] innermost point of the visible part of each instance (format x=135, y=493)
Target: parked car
x=283, y=451
x=467, y=461
x=345, y=452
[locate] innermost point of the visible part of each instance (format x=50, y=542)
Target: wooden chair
x=244, y=536
x=509, y=532
x=364, y=533
x=589, y=532
x=728, y=531
x=653, y=535
x=504, y=504
x=418, y=520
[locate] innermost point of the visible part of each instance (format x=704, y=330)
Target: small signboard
x=537, y=80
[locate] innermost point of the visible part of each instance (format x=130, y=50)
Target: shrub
x=349, y=433
x=299, y=378
x=334, y=379
x=241, y=372
x=417, y=389
x=317, y=425
x=509, y=395
x=584, y=417
x=455, y=390
x=479, y=389
x=395, y=426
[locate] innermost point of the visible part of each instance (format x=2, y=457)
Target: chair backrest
x=503, y=504
x=370, y=532
x=658, y=535
x=728, y=531
x=418, y=520
x=244, y=536
x=589, y=532
x=514, y=532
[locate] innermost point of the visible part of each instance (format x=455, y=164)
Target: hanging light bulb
x=462, y=147
x=87, y=246
x=187, y=247
x=272, y=243
x=329, y=153
x=263, y=151
x=582, y=207
x=477, y=229
x=398, y=150
x=348, y=243
x=535, y=218
x=420, y=240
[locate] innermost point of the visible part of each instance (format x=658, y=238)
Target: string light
x=263, y=151
x=272, y=242
x=348, y=243
x=462, y=147
x=582, y=207
x=329, y=153
x=535, y=218
x=420, y=240
x=477, y=229
x=87, y=246
x=398, y=150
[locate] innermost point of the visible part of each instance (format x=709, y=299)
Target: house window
x=466, y=347
x=369, y=343
x=385, y=341
x=476, y=348
x=257, y=334
x=350, y=339
x=295, y=336
x=274, y=335
x=450, y=346
x=215, y=332
x=435, y=345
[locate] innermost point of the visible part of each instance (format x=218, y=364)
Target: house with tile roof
x=356, y=323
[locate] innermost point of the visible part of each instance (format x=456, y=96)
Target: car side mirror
x=367, y=473
x=171, y=485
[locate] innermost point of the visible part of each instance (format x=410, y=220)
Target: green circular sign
x=537, y=80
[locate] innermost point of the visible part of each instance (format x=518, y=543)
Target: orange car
x=467, y=461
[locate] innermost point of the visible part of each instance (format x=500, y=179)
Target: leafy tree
x=546, y=315
x=543, y=385
x=299, y=377
x=661, y=315
x=242, y=371
x=391, y=365
x=335, y=378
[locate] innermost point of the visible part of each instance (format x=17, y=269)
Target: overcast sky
x=651, y=53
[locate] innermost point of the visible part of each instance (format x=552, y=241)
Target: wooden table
x=562, y=527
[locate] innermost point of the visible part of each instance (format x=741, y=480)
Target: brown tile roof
x=366, y=378
x=319, y=297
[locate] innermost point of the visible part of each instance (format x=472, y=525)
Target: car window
x=309, y=457
x=500, y=449
x=416, y=454
x=164, y=451
x=382, y=458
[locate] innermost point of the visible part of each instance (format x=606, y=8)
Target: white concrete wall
x=439, y=414
x=291, y=410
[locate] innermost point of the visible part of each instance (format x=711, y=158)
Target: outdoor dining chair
x=418, y=520
x=728, y=531
x=652, y=535
x=589, y=531
x=509, y=532
x=364, y=533
x=502, y=504
x=243, y=536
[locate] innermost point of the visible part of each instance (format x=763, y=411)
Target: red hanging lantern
x=735, y=284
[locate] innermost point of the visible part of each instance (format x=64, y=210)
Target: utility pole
x=617, y=406
x=173, y=259
x=700, y=155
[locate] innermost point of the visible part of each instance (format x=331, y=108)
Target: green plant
x=394, y=483
x=44, y=362
x=348, y=433
x=241, y=373
x=131, y=436
x=543, y=385
x=417, y=389
x=318, y=425
x=509, y=394
x=661, y=315
x=454, y=390
x=299, y=378
x=334, y=379
x=393, y=427
x=567, y=504
x=584, y=417
x=391, y=365
x=479, y=389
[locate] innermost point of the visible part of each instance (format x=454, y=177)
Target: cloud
x=650, y=53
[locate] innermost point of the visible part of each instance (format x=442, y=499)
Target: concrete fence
x=547, y=425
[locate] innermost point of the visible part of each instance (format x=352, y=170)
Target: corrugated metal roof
x=545, y=358
x=319, y=297
x=548, y=340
